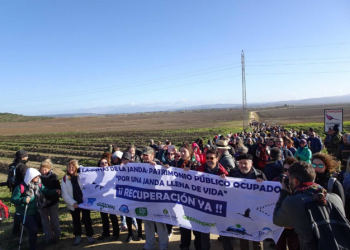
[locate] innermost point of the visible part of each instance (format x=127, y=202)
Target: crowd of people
x=269, y=153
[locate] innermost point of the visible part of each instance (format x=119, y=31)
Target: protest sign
x=332, y=117
x=207, y=203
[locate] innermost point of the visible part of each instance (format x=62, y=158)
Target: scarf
x=77, y=193
x=34, y=190
x=47, y=175
x=317, y=192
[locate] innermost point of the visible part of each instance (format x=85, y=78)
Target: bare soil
x=129, y=122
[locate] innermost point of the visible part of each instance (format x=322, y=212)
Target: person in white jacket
x=72, y=194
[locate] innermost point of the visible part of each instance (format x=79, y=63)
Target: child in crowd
x=49, y=213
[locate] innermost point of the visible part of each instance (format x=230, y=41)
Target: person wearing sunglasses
x=212, y=166
x=170, y=157
x=303, y=152
x=103, y=163
x=325, y=166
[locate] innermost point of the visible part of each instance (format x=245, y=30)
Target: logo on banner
x=237, y=230
x=90, y=202
x=202, y=223
x=103, y=205
x=124, y=209
x=264, y=231
x=246, y=213
x=165, y=214
x=141, y=211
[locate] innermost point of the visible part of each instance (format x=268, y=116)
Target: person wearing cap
x=117, y=157
x=335, y=141
x=20, y=162
x=103, y=163
x=31, y=193
x=274, y=167
x=245, y=170
x=303, y=153
x=72, y=195
x=49, y=213
x=162, y=230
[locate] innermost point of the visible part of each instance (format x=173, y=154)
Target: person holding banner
x=187, y=160
x=72, y=194
x=104, y=162
x=162, y=231
x=246, y=171
x=126, y=158
x=212, y=166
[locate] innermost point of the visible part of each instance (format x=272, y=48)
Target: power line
x=294, y=73
x=302, y=46
x=291, y=64
x=127, y=85
x=140, y=92
x=303, y=59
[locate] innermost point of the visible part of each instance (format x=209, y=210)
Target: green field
x=87, y=148
x=8, y=117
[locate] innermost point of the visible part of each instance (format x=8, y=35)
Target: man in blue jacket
x=314, y=142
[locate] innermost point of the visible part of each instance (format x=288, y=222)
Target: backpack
x=329, y=226
x=4, y=211
x=330, y=184
x=22, y=187
x=262, y=153
x=11, y=176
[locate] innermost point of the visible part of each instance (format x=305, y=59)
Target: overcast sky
x=61, y=55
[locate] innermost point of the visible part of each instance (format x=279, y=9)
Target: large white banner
x=203, y=202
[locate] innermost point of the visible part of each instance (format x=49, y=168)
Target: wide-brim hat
x=223, y=144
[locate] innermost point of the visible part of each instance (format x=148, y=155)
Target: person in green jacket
x=303, y=153
x=31, y=193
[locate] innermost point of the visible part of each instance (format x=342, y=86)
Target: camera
x=286, y=179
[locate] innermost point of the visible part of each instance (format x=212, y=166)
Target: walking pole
x=24, y=220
